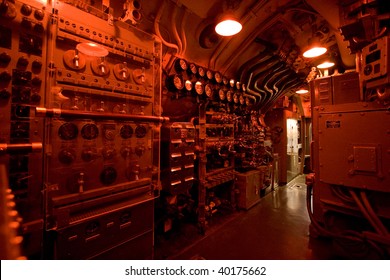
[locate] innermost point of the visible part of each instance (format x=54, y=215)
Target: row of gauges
x=181, y=66
x=90, y=131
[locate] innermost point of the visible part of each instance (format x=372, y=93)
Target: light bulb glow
x=325, y=65
x=314, y=52
x=302, y=91
x=228, y=27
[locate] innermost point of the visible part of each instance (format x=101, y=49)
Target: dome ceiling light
x=228, y=24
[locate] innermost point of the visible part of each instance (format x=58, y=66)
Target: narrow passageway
x=277, y=228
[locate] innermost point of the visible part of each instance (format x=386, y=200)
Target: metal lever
x=81, y=182
x=20, y=148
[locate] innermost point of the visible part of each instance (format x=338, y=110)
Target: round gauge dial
x=242, y=100
x=175, y=82
x=180, y=65
x=236, y=98
x=247, y=101
x=192, y=69
x=229, y=96
x=238, y=85
x=243, y=86
x=68, y=131
x=201, y=71
x=209, y=90
x=209, y=74
x=126, y=131
x=140, y=131
x=225, y=80
x=232, y=82
x=221, y=94
x=188, y=85
x=178, y=82
x=218, y=77
x=199, y=88
x=89, y=131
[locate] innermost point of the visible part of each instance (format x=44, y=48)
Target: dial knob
x=36, y=65
x=139, y=150
x=39, y=28
x=108, y=153
x=22, y=62
x=126, y=152
x=36, y=81
x=5, y=58
x=26, y=10
x=108, y=176
x=5, y=77
x=39, y=14
x=66, y=156
x=89, y=154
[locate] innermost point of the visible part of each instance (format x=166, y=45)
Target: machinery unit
x=178, y=146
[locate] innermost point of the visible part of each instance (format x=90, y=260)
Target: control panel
x=23, y=40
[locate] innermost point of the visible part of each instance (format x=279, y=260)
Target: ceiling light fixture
x=314, y=48
x=325, y=65
x=228, y=26
x=302, y=91
x=92, y=49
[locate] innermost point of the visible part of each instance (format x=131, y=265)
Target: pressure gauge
x=238, y=85
x=225, y=80
x=89, y=131
x=247, y=101
x=192, y=69
x=201, y=71
x=188, y=85
x=218, y=77
x=175, y=82
x=236, y=98
x=209, y=74
x=229, y=96
x=199, y=88
x=68, y=131
x=221, y=94
x=126, y=131
x=180, y=65
x=232, y=82
x=209, y=90
x=242, y=99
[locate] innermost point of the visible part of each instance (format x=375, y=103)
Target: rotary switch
x=74, y=60
x=100, y=67
x=66, y=156
x=89, y=154
x=139, y=76
x=39, y=14
x=5, y=58
x=121, y=71
x=126, y=152
x=26, y=10
x=108, y=153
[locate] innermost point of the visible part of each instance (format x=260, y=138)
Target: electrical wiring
x=372, y=213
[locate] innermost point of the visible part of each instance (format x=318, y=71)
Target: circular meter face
x=229, y=96
x=199, y=88
x=193, y=69
x=181, y=65
x=235, y=98
x=218, y=77
x=178, y=82
x=238, y=85
x=209, y=90
x=225, y=81
x=68, y=131
x=231, y=82
x=209, y=74
x=222, y=95
x=201, y=71
x=242, y=100
x=90, y=131
x=188, y=85
x=243, y=86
